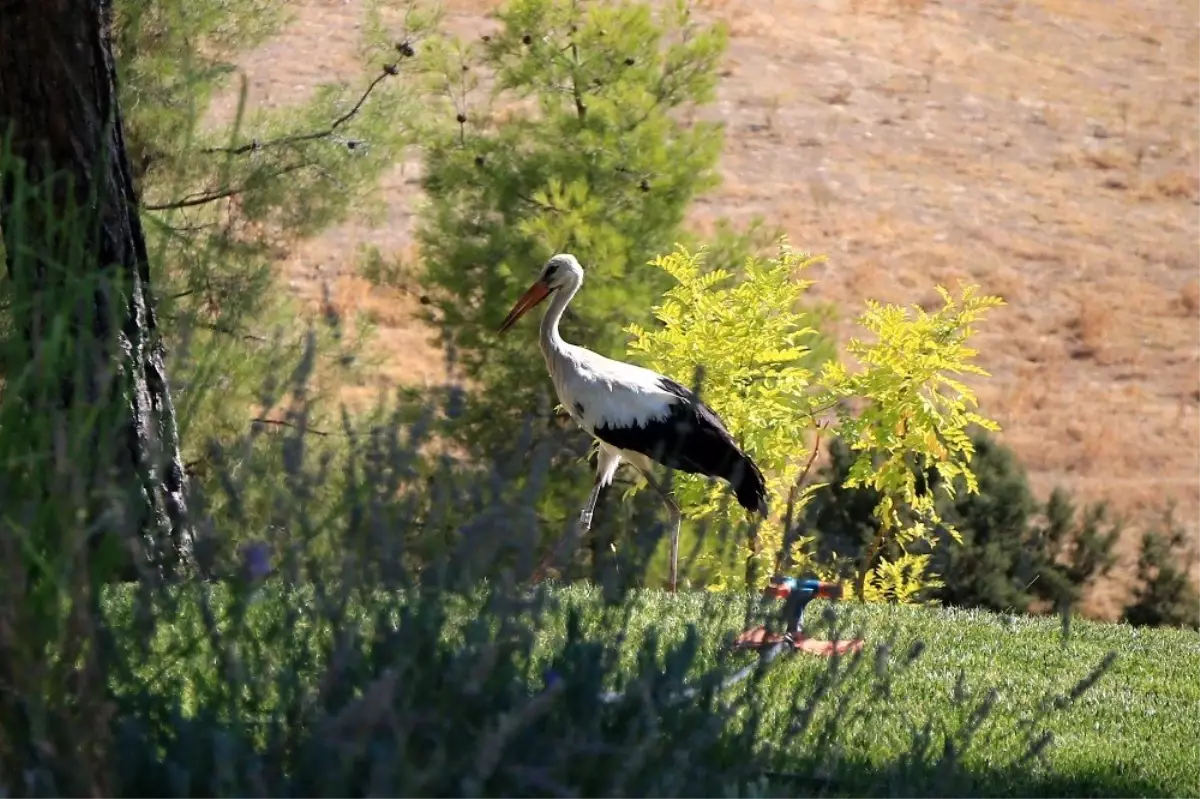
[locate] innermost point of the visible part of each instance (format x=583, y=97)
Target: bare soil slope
x=1046, y=149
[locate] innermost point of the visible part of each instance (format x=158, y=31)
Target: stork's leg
x=585, y=524
x=606, y=466
x=585, y=516
x=676, y=521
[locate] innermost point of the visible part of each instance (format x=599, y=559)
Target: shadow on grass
x=861, y=778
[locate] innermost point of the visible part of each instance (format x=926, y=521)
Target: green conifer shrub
x=1165, y=594
x=1016, y=554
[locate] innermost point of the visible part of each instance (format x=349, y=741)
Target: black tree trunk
x=74, y=246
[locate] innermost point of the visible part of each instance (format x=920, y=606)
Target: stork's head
x=561, y=270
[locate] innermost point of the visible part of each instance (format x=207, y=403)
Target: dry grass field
x=1046, y=149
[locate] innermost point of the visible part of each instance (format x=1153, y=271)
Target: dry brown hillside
x=1046, y=149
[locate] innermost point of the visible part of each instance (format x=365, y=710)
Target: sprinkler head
x=782, y=587
x=797, y=594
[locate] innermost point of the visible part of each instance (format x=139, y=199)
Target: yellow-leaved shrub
x=901, y=406
x=752, y=342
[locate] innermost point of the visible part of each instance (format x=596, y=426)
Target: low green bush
x=1016, y=554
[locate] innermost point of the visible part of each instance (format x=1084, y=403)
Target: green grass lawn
x=1135, y=732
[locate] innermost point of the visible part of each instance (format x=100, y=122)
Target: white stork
x=635, y=414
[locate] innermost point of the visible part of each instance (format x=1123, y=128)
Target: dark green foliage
x=1165, y=594
x=841, y=517
x=1012, y=559
x=1069, y=550
x=1015, y=554
x=993, y=567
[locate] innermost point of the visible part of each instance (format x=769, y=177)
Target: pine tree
x=583, y=143
x=1069, y=550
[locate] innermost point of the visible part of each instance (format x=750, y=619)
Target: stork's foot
x=585, y=521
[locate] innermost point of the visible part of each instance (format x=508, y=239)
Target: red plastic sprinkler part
x=796, y=595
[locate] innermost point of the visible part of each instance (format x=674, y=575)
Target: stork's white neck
x=550, y=338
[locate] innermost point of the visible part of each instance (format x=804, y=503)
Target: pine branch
x=205, y=197
x=282, y=423
x=255, y=145
x=215, y=328
x=200, y=198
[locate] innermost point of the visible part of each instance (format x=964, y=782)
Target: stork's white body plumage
x=636, y=415
x=599, y=392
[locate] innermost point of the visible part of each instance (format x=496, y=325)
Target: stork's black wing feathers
x=692, y=438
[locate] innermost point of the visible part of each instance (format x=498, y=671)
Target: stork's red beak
x=535, y=294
